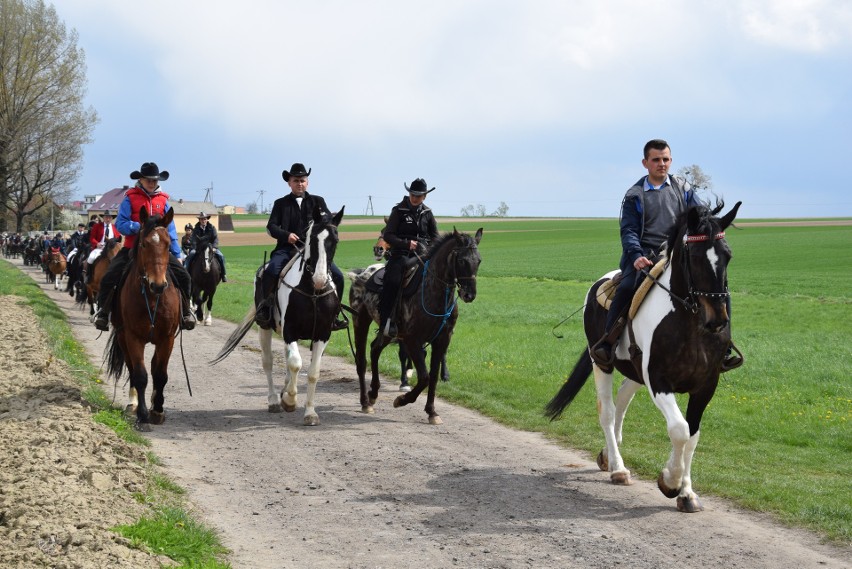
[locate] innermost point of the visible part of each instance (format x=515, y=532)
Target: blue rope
x=446, y=315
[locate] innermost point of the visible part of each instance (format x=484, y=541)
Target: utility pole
x=261, y=192
x=369, y=210
x=208, y=195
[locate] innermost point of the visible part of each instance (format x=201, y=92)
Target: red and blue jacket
x=127, y=220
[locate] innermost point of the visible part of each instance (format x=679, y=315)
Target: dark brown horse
x=427, y=316
x=97, y=271
x=675, y=343
x=148, y=312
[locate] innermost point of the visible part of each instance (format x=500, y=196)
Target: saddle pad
x=646, y=285
x=410, y=281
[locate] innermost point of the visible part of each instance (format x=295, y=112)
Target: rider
x=410, y=228
x=648, y=211
x=288, y=223
x=98, y=235
x=146, y=193
x=204, y=229
x=186, y=240
x=77, y=240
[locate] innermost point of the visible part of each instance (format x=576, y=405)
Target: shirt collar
x=649, y=186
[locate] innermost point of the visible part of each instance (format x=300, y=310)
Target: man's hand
x=641, y=263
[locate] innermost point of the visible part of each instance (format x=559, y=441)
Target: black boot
x=102, y=320
x=732, y=360
x=264, y=316
x=602, y=352
x=188, y=318
x=340, y=322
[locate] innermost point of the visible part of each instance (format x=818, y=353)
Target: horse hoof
x=367, y=409
x=275, y=409
x=158, y=418
x=667, y=492
x=130, y=411
x=405, y=388
x=435, y=420
x=289, y=408
x=621, y=478
x=373, y=400
x=311, y=421
x=142, y=427
x=399, y=401
x=208, y=323
x=688, y=504
x=603, y=462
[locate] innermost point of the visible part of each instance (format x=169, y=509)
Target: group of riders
x=648, y=210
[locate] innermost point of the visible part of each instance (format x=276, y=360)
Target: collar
x=648, y=186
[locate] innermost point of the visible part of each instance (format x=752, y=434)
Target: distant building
x=185, y=211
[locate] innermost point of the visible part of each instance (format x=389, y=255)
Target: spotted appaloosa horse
x=308, y=301
x=428, y=316
x=675, y=344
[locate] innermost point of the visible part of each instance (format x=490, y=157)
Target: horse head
x=702, y=253
x=205, y=253
x=321, y=246
x=381, y=248
x=152, y=249
x=465, y=261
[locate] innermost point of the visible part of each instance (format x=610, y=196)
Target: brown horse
x=148, y=312
x=98, y=270
x=55, y=266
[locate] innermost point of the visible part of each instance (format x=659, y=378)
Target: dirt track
x=388, y=490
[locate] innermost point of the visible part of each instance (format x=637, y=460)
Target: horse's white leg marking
x=294, y=364
x=625, y=395
x=606, y=417
x=265, y=339
x=311, y=417
x=678, y=430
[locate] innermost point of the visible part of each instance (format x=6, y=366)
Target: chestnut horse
x=147, y=311
x=675, y=343
x=55, y=266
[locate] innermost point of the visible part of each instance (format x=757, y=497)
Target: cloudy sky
x=542, y=104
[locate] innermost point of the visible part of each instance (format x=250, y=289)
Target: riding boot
x=340, y=322
x=602, y=352
x=732, y=360
x=102, y=315
x=188, y=318
x=264, y=301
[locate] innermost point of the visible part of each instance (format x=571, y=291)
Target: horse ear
x=456, y=232
x=693, y=219
x=170, y=215
x=729, y=217
x=478, y=236
x=337, y=217
x=143, y=215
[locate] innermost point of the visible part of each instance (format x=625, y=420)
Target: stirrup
x=732, y=360
x=598, y=355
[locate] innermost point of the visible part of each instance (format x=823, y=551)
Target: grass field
x=777, y=435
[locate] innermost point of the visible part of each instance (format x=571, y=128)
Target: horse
x=55, y=267
x=427, y=316
x=147, y=311
x=76, y=287
x=675, y=343
x=206, y=273
x=97, y=270
x=381, y=251
x=308, y=302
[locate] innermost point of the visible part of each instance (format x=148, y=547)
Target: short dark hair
x=656, y=144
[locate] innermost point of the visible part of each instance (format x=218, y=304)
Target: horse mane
x=706, y=214
x=437, y=244
x=150, y=224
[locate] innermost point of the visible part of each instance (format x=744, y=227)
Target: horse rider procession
x=413, y=299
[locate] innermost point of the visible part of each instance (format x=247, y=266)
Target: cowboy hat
x=151, y=171
x=203, y=215
x=418, y=187
x=297, y=170
x=107, y=213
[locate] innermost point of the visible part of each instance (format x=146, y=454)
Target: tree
x=43, y=122
x=501, y=211
x=251, y=207
x=696, y=176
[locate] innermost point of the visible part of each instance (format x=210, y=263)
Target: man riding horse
x=205, y=230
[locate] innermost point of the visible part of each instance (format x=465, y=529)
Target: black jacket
x=287, y=217
x=407, y=223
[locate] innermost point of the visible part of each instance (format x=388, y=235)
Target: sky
x=544, y=105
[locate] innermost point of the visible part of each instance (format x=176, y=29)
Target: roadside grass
x=776, y=438
x=170, y=530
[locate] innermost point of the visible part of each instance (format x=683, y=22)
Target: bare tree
x=43, y=122
x=501, y=211
x=696, y=176
x=251, y=207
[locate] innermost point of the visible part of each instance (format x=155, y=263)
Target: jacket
x=407, y=223
x=288, y=217
x=127, y=220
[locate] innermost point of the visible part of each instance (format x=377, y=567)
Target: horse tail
x=571, y=387
x=235, y=337
x=114, y=357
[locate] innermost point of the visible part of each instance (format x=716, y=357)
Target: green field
x=777, y=435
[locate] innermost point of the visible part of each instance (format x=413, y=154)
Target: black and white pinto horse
x=76, y=287
x=428, y=316
x=205, y=273
x=308, y=301
x=675, y=343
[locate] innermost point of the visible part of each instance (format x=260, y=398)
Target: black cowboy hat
x=418, y=187
x=151, y=171
x=203, y=215
x=297, y=170
x=108, y=213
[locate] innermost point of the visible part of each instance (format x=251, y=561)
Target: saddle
x=606, y=291
x=411, y=278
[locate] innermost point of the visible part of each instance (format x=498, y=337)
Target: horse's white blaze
x=714, y=261
x=155, y=237
x=321, y=270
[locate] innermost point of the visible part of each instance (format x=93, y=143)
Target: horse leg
x=376, y=348
x=139, y=382
x=294, y=365
x=362, y=327
x=208, y=311
x=273, y=400
x=423, y=381
x=311, y=418
x=445, y=371
x=160, y=377
x=609, y=458
x=403, y=366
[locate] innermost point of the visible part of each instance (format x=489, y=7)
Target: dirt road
x=390, y=491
